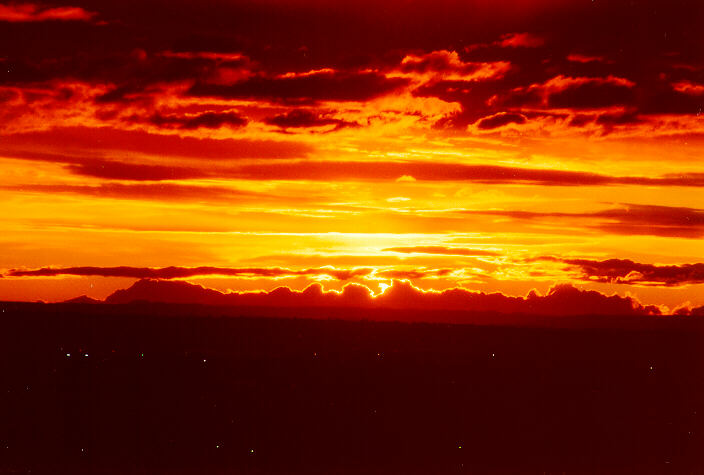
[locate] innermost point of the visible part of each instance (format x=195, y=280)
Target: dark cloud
x=500, y=119
x=591, y=95
x=560, y=300
x=306, y=52
x=306, y=118
x=209, y=120
x=625, y=271
x=182, y=272
x=308, y=88
x=449, y=251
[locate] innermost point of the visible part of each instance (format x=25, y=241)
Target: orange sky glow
x=244, y=146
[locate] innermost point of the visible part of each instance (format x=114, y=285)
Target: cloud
x=298, y=118
x=520, y=40
x=210, y=120
x=134, y=171
x=565, y=92
x=449, y=251
x=413, y=274
x=688, y=87
x=447, y=65
x=113, y=140
x=499, y=120
x=560, y=300
x=113, y=170
x=431, y=171
x=630, y=219
x=625, y=271
x=175, y=272
x=30, y=12
x=183, y=272
x=146, y=191
x=584, y=58
x=326, y=85
x=314, y=170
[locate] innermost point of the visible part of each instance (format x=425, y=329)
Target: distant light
x=459, y=446
x=251, y=451
x=205, y=361
x=141, y=355
x=651, y=368
x=217, y=446
x=68, y=355
x=86, y=355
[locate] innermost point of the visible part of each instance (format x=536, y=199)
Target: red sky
x=494, y=146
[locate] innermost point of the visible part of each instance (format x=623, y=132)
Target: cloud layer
x=560, y=300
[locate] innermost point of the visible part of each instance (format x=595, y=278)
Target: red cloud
x=688, y=87
x=330, y=170
x=105, y=138
x=560, y=300
x=583, y=58
x=520, y=40
x=29, y=12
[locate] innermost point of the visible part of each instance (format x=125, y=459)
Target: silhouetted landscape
x=185, y=389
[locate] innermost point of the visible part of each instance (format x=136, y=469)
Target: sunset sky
x=496, y=146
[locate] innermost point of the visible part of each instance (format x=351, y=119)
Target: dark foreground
x=123, y=389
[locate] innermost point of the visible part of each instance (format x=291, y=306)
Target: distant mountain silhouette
x=560, y=300
x=83, y=299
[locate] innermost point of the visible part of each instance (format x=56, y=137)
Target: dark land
x=174, y=389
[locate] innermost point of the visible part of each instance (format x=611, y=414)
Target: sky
x=494, y=146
